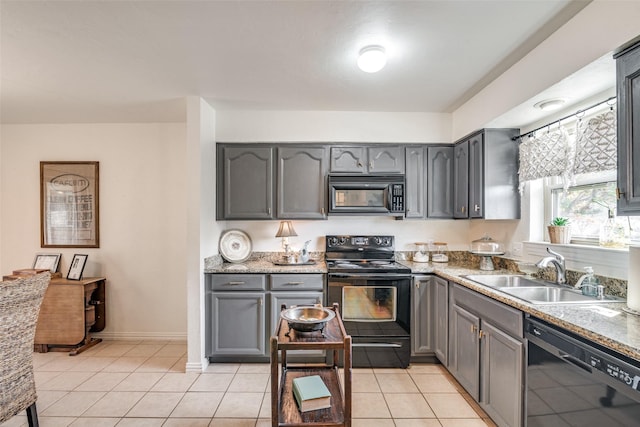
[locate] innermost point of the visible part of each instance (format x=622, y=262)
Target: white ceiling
x=135, y=61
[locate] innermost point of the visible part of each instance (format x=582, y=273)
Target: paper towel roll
x=633, y=283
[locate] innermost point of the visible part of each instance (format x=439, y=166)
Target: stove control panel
x=351, y=242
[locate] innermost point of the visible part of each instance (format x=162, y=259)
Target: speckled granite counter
x=620, y=332
x=262, y=263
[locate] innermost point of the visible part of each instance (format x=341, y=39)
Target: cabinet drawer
x=507, y=318
x=237, y=282
x=291, y=282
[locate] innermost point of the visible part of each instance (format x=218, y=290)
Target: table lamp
x=286, y=230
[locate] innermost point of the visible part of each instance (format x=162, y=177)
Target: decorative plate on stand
x=235, y=245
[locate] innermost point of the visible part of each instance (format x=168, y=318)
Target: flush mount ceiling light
x=550, y=104
x=372, y=59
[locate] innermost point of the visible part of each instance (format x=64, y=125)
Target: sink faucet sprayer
x=558, y=261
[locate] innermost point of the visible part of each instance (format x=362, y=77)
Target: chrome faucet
x=558, y=261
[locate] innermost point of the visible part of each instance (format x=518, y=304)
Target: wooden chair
x=20, y=301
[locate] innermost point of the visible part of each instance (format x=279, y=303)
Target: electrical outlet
x=516, y=248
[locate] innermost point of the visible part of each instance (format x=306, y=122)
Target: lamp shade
x=286, y=229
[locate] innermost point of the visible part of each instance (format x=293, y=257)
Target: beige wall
x=142, y=216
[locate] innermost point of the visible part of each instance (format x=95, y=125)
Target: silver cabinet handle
x=359, y=164
x=260, y=301
x=371, y=165
x=268, y=211
x=236, y=283
x=476, y=208
x=322, y=211
x=295, y=283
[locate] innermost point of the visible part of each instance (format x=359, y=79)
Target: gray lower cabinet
x=441, y=319
x=245, y=182
x=422, y=323
x=430, y=321
x=236, y=315
x=242, y=311
x=301, y=182
x=487, y=353
x=238, y=324
x=628, y=127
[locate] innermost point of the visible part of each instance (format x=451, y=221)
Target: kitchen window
x=587, y=203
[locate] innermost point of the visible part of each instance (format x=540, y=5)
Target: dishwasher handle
x=575, y=361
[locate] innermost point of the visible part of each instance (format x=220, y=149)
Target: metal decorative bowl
x=307, y=319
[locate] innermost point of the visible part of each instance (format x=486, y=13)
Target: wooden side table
x=284, y=409
x=70, y=311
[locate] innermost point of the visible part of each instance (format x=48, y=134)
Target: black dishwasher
x=572, y=382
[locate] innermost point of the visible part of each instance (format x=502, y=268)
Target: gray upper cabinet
x=245, y=182
x=349, y=159
x=415, y=190
x=367, y=159
x=440, y=182
x=301, y=181
x=486, y=175
x=628, y=133
x=429, y=181
x=461, y=180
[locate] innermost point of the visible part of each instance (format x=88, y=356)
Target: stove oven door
x=376, y=313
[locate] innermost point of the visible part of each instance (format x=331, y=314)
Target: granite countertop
x=603, y=323
x=263, y=264
x=606, y=324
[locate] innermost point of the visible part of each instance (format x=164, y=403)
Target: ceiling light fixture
x=550, y=104
x=372, y=59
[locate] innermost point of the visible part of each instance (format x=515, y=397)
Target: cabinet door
x=238, y=324
x=464, y=353
x=247, y=182
x=440, y=319
x=415, y=182
x=439, y=182
x=386, y=159
x=628, y=133
x=349, y=159
x=422, y=325
x=461, y=180
x=476, y=176
x=301, y=182
x=502, y=376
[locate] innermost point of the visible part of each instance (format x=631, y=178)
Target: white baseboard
x=141, y=336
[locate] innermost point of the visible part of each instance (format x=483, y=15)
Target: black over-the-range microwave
x=366, y=195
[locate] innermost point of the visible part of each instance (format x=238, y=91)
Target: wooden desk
x=70, y=311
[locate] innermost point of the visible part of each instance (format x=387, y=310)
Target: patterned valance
x=596, y=144
x=544, y=155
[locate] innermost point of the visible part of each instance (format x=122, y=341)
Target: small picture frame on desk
x=47, y=261
x=77, y=266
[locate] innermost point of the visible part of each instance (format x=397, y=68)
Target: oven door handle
x=375, y=276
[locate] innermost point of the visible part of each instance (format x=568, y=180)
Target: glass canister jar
x=440, y=252
x=422, y=252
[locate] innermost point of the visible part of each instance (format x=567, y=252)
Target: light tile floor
x=145, y=384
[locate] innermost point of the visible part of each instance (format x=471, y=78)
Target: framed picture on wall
x=77, y=266
x=47, y=262
x=69, y=208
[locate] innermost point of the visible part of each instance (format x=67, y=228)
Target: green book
x=311, y=393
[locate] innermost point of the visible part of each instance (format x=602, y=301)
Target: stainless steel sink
x=537, y=291
x=505, y=280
